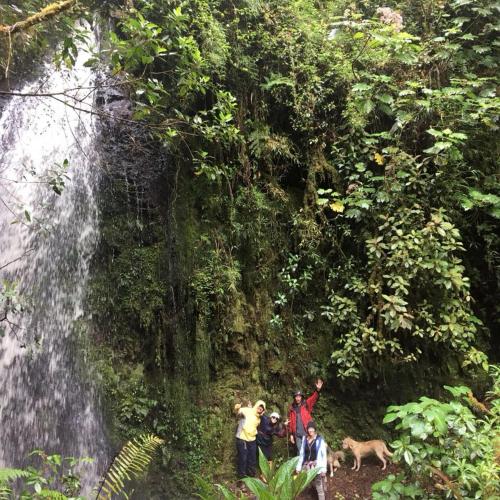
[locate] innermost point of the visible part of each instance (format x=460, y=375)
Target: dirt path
x=349, y=485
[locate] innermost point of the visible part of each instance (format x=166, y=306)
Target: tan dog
x=361, y=449
x=334, y=458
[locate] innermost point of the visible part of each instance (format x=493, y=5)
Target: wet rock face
x=130, y=154
x=113, y=100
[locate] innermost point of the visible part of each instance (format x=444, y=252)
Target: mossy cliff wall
x=183, y=300
x=294, y=219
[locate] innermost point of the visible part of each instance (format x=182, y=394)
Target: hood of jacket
x=259, y=403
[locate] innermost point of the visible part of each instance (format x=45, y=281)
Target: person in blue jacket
x=313, y=454
x=269, y=427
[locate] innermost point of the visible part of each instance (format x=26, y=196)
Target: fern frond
x=5, y=492
x=7, y=475
x=51, y=494
x=131, y=462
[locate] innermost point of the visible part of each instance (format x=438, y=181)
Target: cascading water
x=47, y=399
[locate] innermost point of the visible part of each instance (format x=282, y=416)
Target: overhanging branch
x=47, y=12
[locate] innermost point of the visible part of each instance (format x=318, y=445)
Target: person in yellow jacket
x=246, y=434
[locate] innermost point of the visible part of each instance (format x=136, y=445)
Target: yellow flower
x=379, y=159
x=337, y=206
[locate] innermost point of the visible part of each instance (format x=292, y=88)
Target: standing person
x=269, y=427
x=299, y=414
x=313, y=453
x=246, y=433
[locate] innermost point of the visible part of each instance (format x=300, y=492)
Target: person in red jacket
x=299, y=414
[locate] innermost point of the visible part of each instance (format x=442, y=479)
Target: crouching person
x=313, y=454
x=246, y=433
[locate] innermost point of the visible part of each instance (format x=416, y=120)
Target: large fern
x=132, y=461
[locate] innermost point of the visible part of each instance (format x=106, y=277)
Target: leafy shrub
x=394, y=488
x=54, y=477
x=448, y=447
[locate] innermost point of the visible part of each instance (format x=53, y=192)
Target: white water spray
x=47, y=398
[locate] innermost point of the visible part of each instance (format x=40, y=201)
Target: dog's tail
x=386, y=451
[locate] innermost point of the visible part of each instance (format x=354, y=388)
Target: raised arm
x=313, y=398
x=239, y=410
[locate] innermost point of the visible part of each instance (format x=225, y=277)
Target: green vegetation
x=130, y=463
x=58, y=477
x=54, y=477
x=331, y=160
x=364, y=114
x=280, y=484
x=449, y=448
x=276, y=484
x=317, y=181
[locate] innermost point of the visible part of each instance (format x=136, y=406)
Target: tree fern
x=132, y=461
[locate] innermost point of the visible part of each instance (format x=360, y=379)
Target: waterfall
x=48, y=399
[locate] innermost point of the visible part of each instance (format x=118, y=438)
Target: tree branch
x=56, y=96
x=47, y=12
x=17, y=258
x=449, y=484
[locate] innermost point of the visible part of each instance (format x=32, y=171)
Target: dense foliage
x=369, y=135
x=448, y=448
x=336, y=180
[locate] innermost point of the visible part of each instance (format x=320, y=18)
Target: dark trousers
x=267, y=450
x=298, y=442
x=247, y=455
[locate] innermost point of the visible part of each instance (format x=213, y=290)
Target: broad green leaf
x=258, y=488
x=264, y=466
x=390, y=417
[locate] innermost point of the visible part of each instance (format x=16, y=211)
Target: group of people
x=256, y=431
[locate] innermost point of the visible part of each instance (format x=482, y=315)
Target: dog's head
x=346, y=443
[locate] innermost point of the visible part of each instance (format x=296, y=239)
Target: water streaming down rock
x=48, y=399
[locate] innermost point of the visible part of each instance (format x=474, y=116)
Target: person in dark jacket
x=269, y=427
x=299, y=414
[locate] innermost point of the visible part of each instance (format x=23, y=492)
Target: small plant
x=54, y=477
x=393, y=488
x=278, y=484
